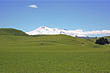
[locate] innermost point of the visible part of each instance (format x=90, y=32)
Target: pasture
x=52, y=54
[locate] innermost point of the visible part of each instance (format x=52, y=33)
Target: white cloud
x=97, y=32
x=88, y=33
x=33, y=6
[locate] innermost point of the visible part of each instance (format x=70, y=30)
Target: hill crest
x=11, y=31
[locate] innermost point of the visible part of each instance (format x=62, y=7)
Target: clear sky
x=27, y=15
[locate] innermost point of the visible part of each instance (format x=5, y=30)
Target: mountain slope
x=43, y=30
x=11, y=31
x=46, y=43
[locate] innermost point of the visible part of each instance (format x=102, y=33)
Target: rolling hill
x=51, y=54
x=17, y=40
x=52, y=43
x=11, y=31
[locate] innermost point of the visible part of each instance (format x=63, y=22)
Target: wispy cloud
x=98, y=32
x=88, y=33
x=33, y=6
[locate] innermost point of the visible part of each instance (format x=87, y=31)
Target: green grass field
x=52, y=54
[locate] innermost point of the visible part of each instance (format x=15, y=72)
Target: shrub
x=102, y=41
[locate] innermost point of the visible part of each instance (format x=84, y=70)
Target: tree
x=102, y=41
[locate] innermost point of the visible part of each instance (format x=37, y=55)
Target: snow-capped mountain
x=43, y=30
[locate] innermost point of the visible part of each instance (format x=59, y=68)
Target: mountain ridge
x=44, y=30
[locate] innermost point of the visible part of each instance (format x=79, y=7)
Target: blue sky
x=87, y=15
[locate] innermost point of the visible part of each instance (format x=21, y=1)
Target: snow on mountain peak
x=43, y=27
x=44, y=30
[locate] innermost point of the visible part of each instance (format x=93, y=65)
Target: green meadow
x=20, y=53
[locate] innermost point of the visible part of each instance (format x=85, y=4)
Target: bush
x=102, y=41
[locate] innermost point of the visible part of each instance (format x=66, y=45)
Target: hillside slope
x=47, y=43
x=11, y=31
x=52, y=54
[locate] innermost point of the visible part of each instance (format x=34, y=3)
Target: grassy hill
x=52, y=54
x=46, y=43
x=11, y=31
